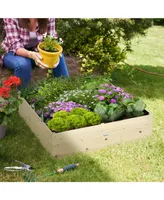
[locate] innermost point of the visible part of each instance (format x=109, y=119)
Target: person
x=20, y=46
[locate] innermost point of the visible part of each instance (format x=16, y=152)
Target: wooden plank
x=89, y=138
x=37, y=126
x=97, y=137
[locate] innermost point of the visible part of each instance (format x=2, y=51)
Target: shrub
x=158, y=21
x=97, y=41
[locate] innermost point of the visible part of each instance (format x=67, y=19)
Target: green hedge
x=99, y=41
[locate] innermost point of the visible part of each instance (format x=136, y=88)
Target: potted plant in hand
x=9, y=102
x=50, y=51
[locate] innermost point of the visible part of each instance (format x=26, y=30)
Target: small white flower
x=61, y=41
x=45, y=34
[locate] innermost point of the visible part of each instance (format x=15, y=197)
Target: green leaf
x=130, y=108
x=117, y=113
x=102, y=111
x=139, y=106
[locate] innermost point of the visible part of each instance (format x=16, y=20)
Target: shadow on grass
x=21, y=144
x=139, y=83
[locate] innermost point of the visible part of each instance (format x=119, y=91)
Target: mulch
x=73, y=64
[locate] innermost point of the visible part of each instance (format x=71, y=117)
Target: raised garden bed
x=89, y=138
x=83, y=114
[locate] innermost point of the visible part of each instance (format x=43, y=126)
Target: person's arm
x=12, y=35
x=22, y=52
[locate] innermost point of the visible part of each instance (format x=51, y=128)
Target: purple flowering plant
x=111, y=94
x=110, y=102
x=47, y=112
x=113, y=103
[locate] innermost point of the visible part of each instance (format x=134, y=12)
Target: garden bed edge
x=85, y=139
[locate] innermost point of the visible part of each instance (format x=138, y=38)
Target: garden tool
x=18, y=168
x=29, y=177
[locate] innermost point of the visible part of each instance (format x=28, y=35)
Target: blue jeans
x=23, y=67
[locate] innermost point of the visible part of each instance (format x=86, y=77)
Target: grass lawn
x=136, y=161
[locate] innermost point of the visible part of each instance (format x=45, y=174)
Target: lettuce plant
x=77, y=118
x=59, y=124
x=134, y=107
x=109, y=112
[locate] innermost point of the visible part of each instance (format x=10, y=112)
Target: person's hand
x=37, y=58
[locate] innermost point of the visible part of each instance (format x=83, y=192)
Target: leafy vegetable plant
x=49, y=44
x=134, y=107
x=76, y=118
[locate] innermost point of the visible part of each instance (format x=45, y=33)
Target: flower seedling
x=49, y=44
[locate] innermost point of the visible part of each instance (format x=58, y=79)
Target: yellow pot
x=50, y=58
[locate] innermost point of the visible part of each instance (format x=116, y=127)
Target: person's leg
x=22, y=67
x=61, y=69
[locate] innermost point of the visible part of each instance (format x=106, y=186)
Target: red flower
x=7, y=83
x=4, y=92
x=12, y=80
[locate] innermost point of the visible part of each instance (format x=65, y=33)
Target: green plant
x=94, y=82
x=158, y=21
x=76, y=118
x=61, y=113
x=110, y=93
x=136, y=161
x=84, y=97
x=49, y=44
x=92, y=118
x=109, y=112
x=76, y=121
x=58, y=124
x=9, y=99
x=134, y=107
x=130, y=107
x=49, y=89
x=114, y=102
x=98, y=42
x=102, y=110
x=79, y=111
x=115, y=112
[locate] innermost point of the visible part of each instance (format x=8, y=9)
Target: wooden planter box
x=88, y=138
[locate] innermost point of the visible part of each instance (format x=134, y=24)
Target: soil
x=73, y=64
